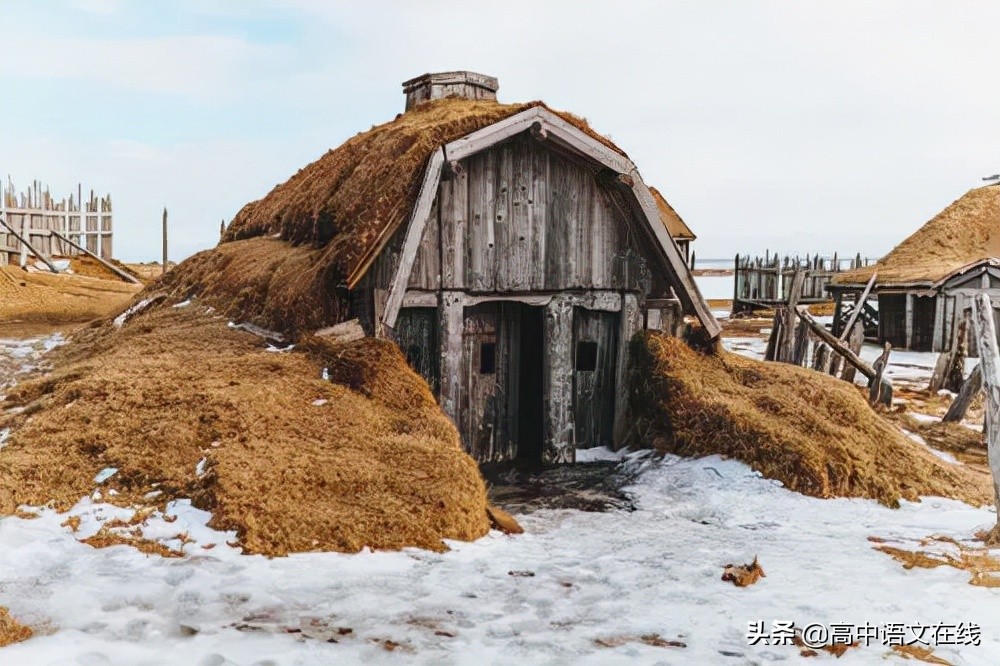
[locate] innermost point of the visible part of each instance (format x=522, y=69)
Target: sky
x=801, y=127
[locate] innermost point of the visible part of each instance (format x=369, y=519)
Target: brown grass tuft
x=982, y=566
x=924, y=654
x=378, y=465
x=814, y=433
x=105, y=538
x=12, y=631
x=743, y=575
x=963, y=233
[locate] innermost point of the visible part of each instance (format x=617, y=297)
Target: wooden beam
x=128, y=277
x=970, y=387
x=859, y=305
x=25, y=243
x=560, y=444
x=414, y=234
x=492, y=134
x=909, y=319
x=989, y=355
x=787, y=351
x=688, y=290
x=876, y=388
x=836, y=344
x=451, y=323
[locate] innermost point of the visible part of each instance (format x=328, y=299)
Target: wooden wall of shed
x=522, y=217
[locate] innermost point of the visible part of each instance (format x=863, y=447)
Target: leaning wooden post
x=787, y=350
x=164, y=240
x=876, y=393
x=989, y=360
x=970, y=387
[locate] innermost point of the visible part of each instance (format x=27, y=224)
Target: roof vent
x=468, y=85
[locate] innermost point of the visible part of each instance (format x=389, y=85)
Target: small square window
x=586, y=356
x=487, y=358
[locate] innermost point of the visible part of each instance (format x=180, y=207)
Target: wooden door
x=595, y=350
x=416, y=333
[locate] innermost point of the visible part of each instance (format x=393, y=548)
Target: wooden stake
x=859, y=305
x=970, y=387
x=876, y=392
x=164, y=240
x=989, y=361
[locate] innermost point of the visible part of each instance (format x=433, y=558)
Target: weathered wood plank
x=970, y=387
x=879, y=390
x=859, y=306
x=631, y=323
x=787, y=351
x=558, y=382
x=989, y=354
x=414, y=235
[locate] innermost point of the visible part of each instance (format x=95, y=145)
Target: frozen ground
x=547, y=596
x=574, y=583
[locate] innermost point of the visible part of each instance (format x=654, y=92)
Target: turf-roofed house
x=511, y=252
x=924, y=287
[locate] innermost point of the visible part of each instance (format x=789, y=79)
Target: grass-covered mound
x=180, y=403
x=814, y=433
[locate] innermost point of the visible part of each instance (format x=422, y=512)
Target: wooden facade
x=533, y=254
x=922, y=317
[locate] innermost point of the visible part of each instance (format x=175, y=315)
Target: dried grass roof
x=354, y=197
x=678, y=229
x=966, y=232
x=814, y=433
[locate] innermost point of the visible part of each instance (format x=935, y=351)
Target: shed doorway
x=502, y=410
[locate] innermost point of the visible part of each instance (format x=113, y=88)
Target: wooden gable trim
x=555, y=128
x=688, y=292
x=414, y=234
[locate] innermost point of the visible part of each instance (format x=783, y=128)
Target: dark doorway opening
x=530, y=393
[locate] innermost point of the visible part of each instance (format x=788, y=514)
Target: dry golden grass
x=39, y=302
x=377, y=465
x=262, y=280
x=924, y=654
x=814, y=433
x=355, y=196
x=967, y=445
x=983, y=567
x=671, y=220
x=743, y=575
x=964, y=232
x=12, y=631
x=105, y=538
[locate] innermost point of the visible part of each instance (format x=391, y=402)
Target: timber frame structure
x=508, y=249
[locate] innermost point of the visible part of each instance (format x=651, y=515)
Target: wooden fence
x=763, y=282
x=34, y=214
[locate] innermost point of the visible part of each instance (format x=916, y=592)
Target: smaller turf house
x=924, y=287
x=511, y=252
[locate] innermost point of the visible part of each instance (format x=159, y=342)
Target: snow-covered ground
x=572, y=585
x=547, y=596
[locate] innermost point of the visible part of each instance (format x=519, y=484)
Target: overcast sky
x=797, y=126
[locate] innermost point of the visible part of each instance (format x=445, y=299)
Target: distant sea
x=714, y=286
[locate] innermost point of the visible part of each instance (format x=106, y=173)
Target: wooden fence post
x=164, y=240
x=989, y=360
x=876, y=392
x=970, y=387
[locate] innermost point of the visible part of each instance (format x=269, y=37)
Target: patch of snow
x=105, y=474
x=325, y=374
x=595, y=575
x=272, y=348
x=4, y=436
x=120, y=320
x=599, y=453
x=199, y=469
x=183, y=304
x=924, y=418
x=319, y=402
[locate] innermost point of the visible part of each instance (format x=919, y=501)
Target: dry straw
x=814, y=433
x=965, y=232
